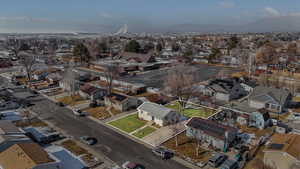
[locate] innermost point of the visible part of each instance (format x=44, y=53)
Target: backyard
x=144, y=132
x=192, y=110
x=129, y=123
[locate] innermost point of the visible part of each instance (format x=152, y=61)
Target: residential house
x=93, y=93
x=12, y=116
x=10, y=135
x=69, y=85
x=42, y=135
x=226, y=89
x=8, y=105
x=27, y=156
x=260, y=119
x=40, y=75
x=210, y=132
x=53, y=78
x=158, y=114
x=66, y=158
x=230, y=60
x=248, y=85
x=283, y=151
x=120, y=102
x=138, y=57
x=269, y=98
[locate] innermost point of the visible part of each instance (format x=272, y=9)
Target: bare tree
x=175, y=130
x=69, y=79
x=14, y=45
x=264, y=79
x=179, y=83
x=28, y=61
x=111, y=73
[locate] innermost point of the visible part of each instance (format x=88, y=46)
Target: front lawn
x=98, y=112
x=72, y=100
x=74, y=147
x=35, y=122
x=144, y=132
x=187, y=148
x=128, y=123
x=192, y=110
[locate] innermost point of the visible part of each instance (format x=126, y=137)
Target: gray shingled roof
x=155, y=110
x=263, y=94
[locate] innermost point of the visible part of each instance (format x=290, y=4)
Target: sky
x=107, y=15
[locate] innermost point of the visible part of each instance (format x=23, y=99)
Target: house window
x=152, y=118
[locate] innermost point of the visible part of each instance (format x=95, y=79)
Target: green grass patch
x=196, y=111
x=144, y=132
x=128, y=123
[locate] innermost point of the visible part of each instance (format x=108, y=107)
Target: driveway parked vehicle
x=88, y=140
x=162, y=153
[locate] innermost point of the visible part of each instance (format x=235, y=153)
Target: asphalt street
x=110, y=143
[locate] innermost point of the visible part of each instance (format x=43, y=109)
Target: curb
x=121, y=132
x=135, y=139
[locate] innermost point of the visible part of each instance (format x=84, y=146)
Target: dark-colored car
x=162, y=153
x=61, y=104
x=230, y=164
x=89, y=140
x=217, y=160
x=132, y=165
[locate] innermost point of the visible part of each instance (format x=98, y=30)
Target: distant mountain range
x=271, y=24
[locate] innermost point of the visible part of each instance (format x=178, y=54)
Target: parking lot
x=156, y=78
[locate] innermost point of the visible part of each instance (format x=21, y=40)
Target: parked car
x=78, y=112
x=61, y=104
x=88, y=140
x=217, y=160
x=162, y=153
x=131, y=165
x=230, y=164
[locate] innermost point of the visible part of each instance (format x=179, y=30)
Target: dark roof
x=210, y=127
x=138, y=57
x=86, y=88
x=223, y=85
x=118, y=97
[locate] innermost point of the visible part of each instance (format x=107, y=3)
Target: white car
x=78, y=112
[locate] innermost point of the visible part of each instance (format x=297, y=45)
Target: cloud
x=294, y=14
x=272, y=12
x=226, y=4
x=22, y=19
x=105, y=15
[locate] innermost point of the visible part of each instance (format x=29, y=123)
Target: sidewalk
x=119, y=116
x=107, y=163
x=140, y=141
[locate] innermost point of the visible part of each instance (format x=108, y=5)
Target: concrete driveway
x=163, y=134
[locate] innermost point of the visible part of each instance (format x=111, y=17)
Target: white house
x=159, y=114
